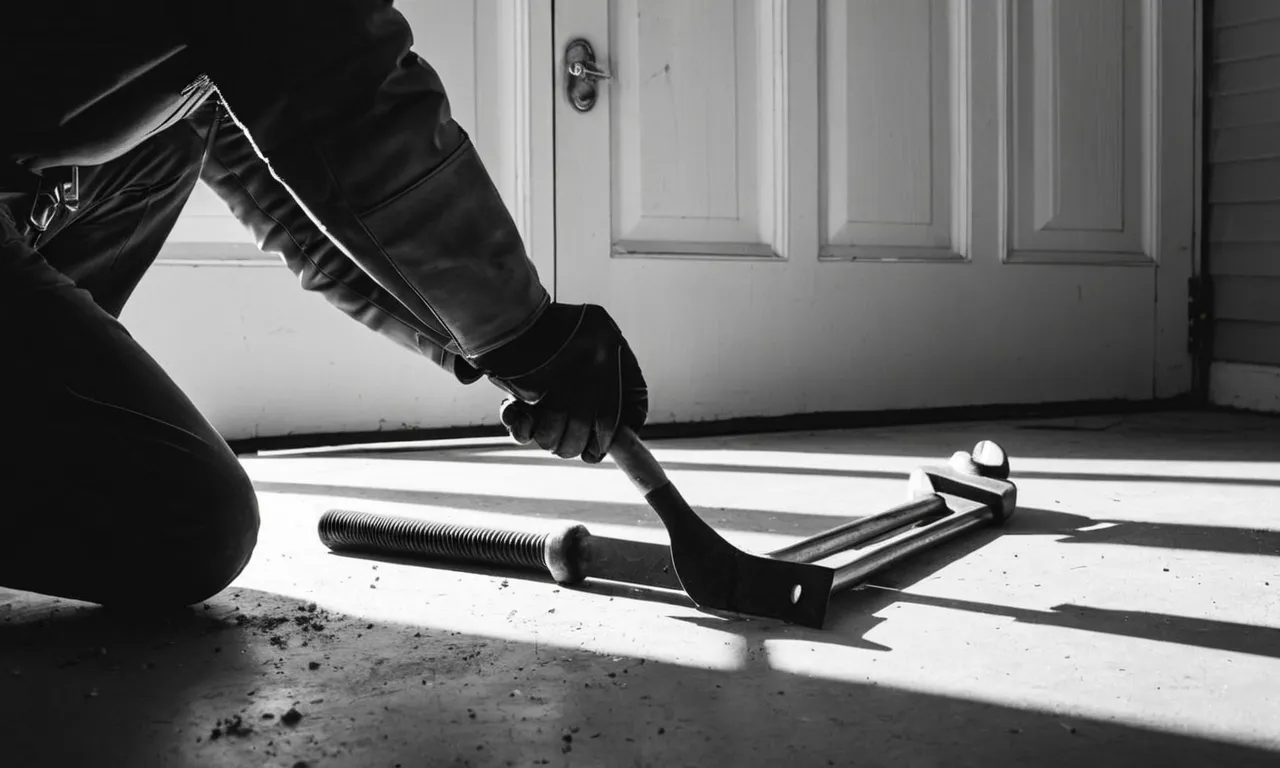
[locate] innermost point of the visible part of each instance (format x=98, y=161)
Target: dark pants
x=116, y=490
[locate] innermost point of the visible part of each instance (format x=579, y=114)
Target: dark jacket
x=339, y=152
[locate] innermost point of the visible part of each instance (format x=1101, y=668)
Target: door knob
x=581, y=75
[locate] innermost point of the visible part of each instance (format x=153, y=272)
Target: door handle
x=582, y=73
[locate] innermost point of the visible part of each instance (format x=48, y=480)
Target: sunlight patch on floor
x=1055, y=685
x=755, y=490
x=490, y=450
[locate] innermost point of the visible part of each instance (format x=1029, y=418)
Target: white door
x=851, y=205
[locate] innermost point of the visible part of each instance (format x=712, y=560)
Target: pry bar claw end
x=716, y=575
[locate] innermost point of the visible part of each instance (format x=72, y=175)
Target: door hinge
x=1199, y=313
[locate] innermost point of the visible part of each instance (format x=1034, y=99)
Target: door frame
x=1179, y=128
x=526, y=70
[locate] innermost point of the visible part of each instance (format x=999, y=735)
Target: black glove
x=574, y=379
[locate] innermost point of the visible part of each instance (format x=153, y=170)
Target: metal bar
x=547, y=552
x=568, y=553
x=850, y=535
x=633, y=562
x=965, y=516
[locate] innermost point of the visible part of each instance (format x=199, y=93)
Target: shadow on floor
x=412, y=695
x=1181, y=630
x=85, y=686
x=851, y=613
x=888, y=587
x=1020, y=475
x=1074, y=529
x=586, y=512
x=1081, y=529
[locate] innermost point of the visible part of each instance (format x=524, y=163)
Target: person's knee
x=203, y=542
x=231, y=540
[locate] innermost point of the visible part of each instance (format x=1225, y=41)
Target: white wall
x=260, y=356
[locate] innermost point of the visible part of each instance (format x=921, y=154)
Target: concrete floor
x=1129, y=614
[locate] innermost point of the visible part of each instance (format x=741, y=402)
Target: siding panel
x=1247, y=41
x=1243, y=197
x=1250, y=142
x=1234, y=13
x=1247, y=76
x=1245, y=260
x=1247, y=297
x=1251, y=182
x=1240, y=342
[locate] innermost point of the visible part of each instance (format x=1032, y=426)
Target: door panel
x=886, y=171
x=692, y=167
x=1077, y=103
x=866, y=204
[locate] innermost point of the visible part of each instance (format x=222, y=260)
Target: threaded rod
x=345, y=530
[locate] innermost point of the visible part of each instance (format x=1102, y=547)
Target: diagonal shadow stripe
x=685, y=466
x=638, y=514
x=1201, y=538
x=1162, y=627
x=1028, y=521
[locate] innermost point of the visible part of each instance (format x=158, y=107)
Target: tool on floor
x=569, y=553
x=788, y=584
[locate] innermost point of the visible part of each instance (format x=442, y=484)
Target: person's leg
x=118, y=491
x=128, y=209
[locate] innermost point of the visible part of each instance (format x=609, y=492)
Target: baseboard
x=1245, y=387
x=803, y=422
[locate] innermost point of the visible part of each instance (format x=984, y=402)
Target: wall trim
x=779, y=93
x=960, y=35
x=514, y=71
x=513, y=100
x=687, y=250
x=1176, y=220
x=1245, y=387
x=1004, y=118
x=452, y=437
x=1200, y=358
x=895, y=254
x=1153, y=72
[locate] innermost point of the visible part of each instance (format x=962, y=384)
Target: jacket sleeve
x=357, y=128
x=235, y=172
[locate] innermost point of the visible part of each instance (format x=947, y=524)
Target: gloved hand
x=574, y=379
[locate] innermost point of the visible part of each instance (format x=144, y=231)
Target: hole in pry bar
x=796, y=591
